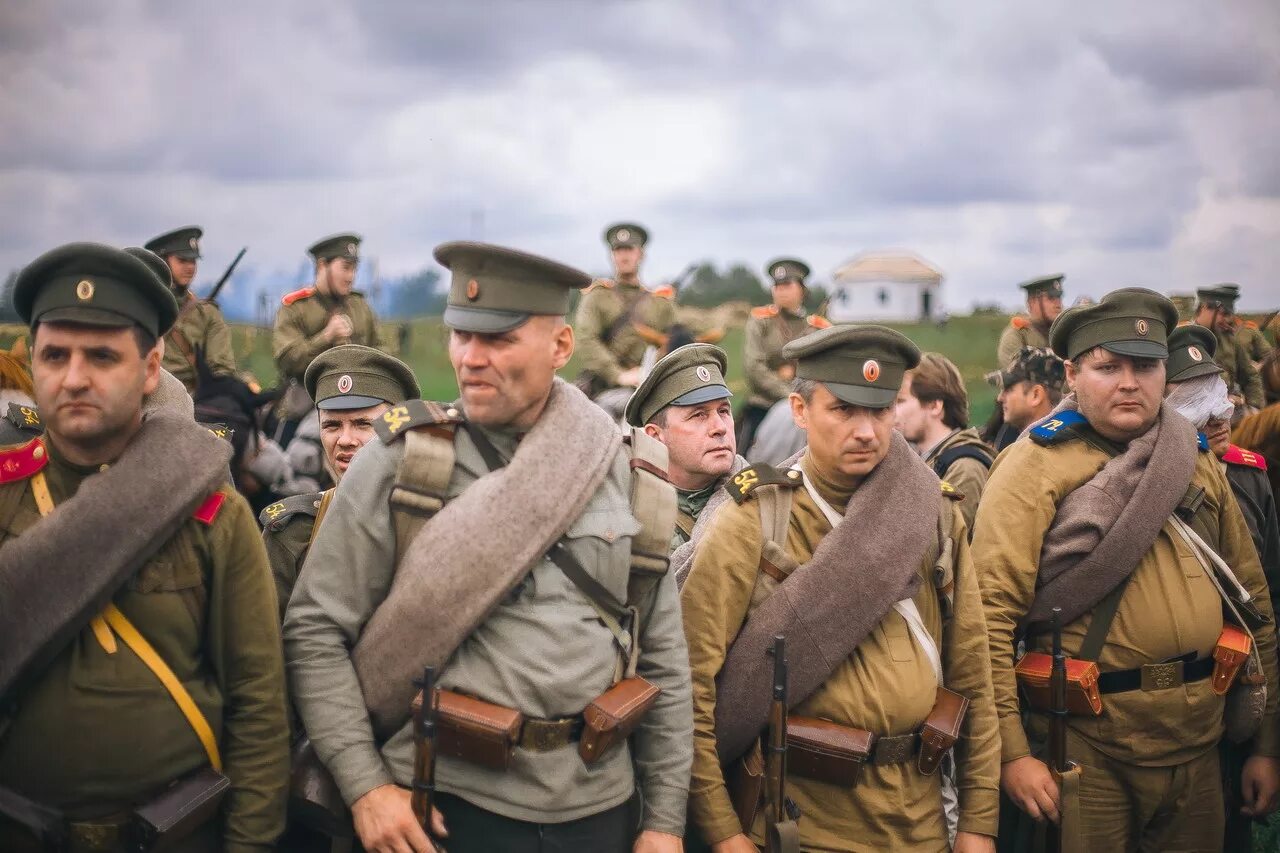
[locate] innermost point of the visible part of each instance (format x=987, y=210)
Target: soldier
x=1091, y=516
x=854, y=585
x=619, y=319
x=1029, y=387
x=494, y=538
x=933, y=414
x=684, y=404
x=1044, y=304
x=327, y=314
x=147, y=661
x=352, y=386
x=770, y=328
x=1216, y=311
x=200, y=326
x=1250, y=338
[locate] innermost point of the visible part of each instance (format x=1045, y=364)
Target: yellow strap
x=112, y=618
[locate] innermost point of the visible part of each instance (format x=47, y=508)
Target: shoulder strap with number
x=113, y=620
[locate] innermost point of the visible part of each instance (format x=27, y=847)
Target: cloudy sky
x=1131, y=143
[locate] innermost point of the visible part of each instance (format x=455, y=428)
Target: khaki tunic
x=298, y=337
x=199, y=325
x=1241, y=376
x=1253, y=341
x=1020, y=332
x=602, y=304
x=97, y=733
x=886, y=686
x=768, y=330
x=1170, y=607
x=966, y=476
x=542, y=651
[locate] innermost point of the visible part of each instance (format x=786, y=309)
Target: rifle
x=1058, y=763
x=424, y=753
x=217, y=288
x=782, y=832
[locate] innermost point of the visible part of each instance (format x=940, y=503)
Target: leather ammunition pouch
x=1229, y=656
x=314, y=798
x=1084, y=699
x=941, y=729
x=476, y=731
x=614, y=715
x=178, y=811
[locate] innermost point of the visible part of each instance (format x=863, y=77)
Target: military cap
x=183, y=242
x=1050, y=284
x=626, y=234
x=336, y=246
x=1032, y=364
x=787, y=269
x=861, y=365
x=1131, y=321
x=158, y=265
x=1191, y=351
x=495, y=289
x=96, y=285
x=1222, y=296
x=357, y=377
x=687, y=376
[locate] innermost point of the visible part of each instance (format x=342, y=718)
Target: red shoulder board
x=666, y=292
x=1239, y=456
x=208, y=510
x=1019, y=322
x=599, y=282
x=819, y=322
x=764, y=312
x=1250, y=324
x=23, y=461
x=290, y=298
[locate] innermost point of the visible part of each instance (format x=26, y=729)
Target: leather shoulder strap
x=653, y=503
x=422, y=480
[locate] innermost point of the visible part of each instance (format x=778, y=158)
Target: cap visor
x=861, y=395
x=481, y=320
x=1138, y=349
x=1204, y=368
x=188, y=255
x=349, y=401
x=87, y=317
x=705, y=394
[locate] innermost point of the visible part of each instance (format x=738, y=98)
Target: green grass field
x=968, y=341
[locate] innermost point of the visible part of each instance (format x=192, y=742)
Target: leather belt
x=103, y=834
x=1184, y=669
x=548, y=735
x=897, y=749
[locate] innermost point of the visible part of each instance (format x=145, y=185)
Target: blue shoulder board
x=1202, y=441
x=1057, y=427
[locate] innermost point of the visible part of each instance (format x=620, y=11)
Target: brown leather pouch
x=473, y=730
x=613, y=716
x=827, y=752
x=182, y=808
x=1229, y=655
x=1083, y=696
x=314, y=798
x=744, y=780
x=941, y=729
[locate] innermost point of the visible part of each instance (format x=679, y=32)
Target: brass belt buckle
x=546, y=735
x=95, y=836
x=894, y=750
x=1161, y=676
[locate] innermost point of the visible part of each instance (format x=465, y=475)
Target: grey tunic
x=542, y=651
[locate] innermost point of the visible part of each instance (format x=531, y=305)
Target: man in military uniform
x=933, y=414
x=328, y=313
x=769, y=329
x=1250, y=338
x=868, y=581
x=1216, y=311
x=1095, y=515
x=152, y=660
x=352, y=386
x=619, y=319
x=1044, y=304
x=1028, y=389
x=684, y=403
x=200, y=328
x=493, y=538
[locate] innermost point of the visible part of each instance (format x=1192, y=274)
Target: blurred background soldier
x=200, y=330
x=1044, y=304
x=1216, y=311
x=768, y=330
x=1249, y=336
x=1027, y=389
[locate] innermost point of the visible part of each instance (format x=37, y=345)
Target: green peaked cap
x=1191, y=351
x=860, y=364
x=495, y=289
x=686, y=376
x=1131, y=321
x=357, y=377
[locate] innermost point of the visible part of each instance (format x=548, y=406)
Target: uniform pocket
x=600, y=540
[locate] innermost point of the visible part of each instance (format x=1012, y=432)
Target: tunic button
x=37, y=452
x=451, y=412
x=609, y=536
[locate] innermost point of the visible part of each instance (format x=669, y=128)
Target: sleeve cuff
x=980, y=812
x=664, y=809
x=713, y=815
x=358, y=769
x=1013, y=739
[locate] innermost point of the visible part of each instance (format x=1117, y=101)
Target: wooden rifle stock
x=782, y=832
x=1057, y=725
x=424, y=753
